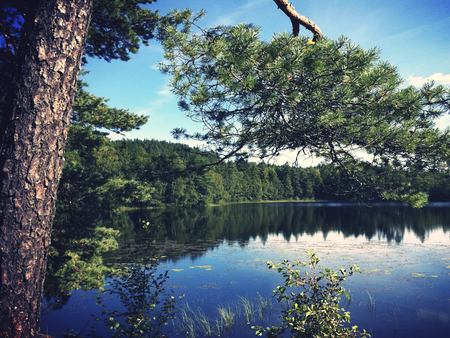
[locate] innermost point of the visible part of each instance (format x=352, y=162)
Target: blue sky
x=413, y=35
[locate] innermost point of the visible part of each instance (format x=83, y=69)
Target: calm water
x=219, y=254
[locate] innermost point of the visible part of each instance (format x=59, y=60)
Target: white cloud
x=443, y=122
x=233, y=17
x=116, y=136
x=155, y=66
x=143, y=111
x=161, y=102
x=164, y=96
x=166, y=92
x=439, y=78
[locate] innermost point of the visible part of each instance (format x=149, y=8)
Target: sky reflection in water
x=403, y=291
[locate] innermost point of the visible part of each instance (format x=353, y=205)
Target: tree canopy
x=331, y=99
x=118, y=27
x=117, y=30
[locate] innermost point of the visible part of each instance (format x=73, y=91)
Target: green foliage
x=92, y=165
x=82, y=265
x=314, y=311
x=415, y=199
x=90, y=185
x=75, y=261
x=332, y=99
x=116, y=193
x=119, y=27
x=163, y=173
x=148, y=306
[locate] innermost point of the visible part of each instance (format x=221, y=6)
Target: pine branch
x=298, y=19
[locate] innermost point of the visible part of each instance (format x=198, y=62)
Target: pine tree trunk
x=33, y=136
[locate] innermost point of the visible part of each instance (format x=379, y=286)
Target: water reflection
x=178, y=232
x=402, y=251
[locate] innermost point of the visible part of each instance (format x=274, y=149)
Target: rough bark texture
x=298, y=19
x=33, y=136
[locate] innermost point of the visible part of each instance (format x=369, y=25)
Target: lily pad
x=417, y=274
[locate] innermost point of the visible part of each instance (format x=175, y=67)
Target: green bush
x=315, y=310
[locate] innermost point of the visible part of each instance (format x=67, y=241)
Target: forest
x=152, y=173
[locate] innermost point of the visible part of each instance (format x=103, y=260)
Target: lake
x=217, y=258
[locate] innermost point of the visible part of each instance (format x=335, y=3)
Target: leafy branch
x=314, y=311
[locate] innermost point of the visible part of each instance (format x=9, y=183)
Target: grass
x=248, y=308
x=370, y=304
x=264, y=305
x=229, y=317
x=347, y=298
x=392, y=312
x=371, y=301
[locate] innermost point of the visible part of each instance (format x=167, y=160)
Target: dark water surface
x=219, y=254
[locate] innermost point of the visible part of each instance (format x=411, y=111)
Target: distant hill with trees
x=142, y=173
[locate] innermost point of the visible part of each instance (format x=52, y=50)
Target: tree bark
x=298, y=19
x=33, y=136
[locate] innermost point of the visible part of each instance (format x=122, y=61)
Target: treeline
x=154, y=173
x=180, y=175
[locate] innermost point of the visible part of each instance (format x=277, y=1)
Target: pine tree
x=331, y=99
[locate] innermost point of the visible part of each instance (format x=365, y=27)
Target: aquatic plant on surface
x=314, y=311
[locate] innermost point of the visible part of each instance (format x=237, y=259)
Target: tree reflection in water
x=390, y=242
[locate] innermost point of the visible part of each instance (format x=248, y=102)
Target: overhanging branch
x=298, y=19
